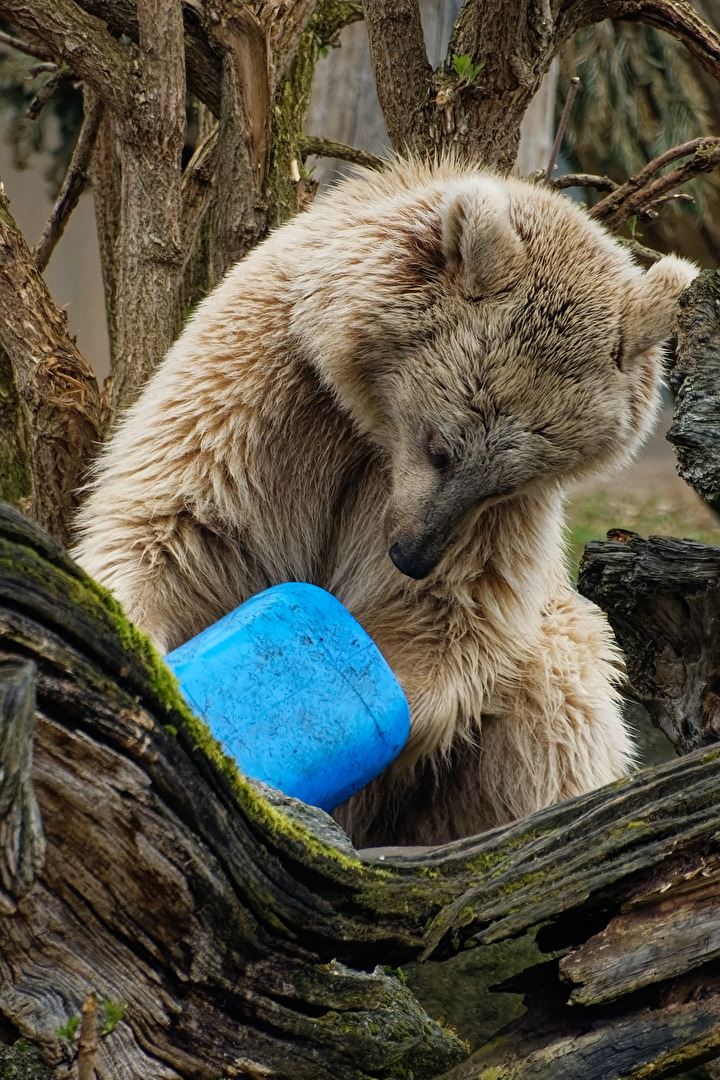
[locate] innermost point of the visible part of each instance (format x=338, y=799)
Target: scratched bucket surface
x=297, y=693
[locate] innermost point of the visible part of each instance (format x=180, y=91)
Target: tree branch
x=568, y=180
x=24, y=46
x=402, y=72
x=149, y=254
x=80, y=40
x=73, y=185
x=638, y=194
x=47, y=90
x=310, y=144
x=56, y=394
x=675, y=17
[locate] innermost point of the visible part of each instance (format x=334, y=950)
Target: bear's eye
x=438, y=455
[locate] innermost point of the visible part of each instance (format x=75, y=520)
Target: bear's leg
x=561, y=732
x=553, y=732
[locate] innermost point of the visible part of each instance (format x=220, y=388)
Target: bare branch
x=675, y=17
x=560, y=133
x=63, y=31
x=24, y=46
x=88, y=1038
x=40, y=69
x=73, y=186
x=638, y=194
x=568, y=180
x=309, y=144
x=46, y=91
x=402, y=72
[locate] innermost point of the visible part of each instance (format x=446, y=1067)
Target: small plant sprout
x=69, y=1030
x=466, y=71
x=113, y=1014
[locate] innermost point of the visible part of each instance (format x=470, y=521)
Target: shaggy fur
x=418, y=366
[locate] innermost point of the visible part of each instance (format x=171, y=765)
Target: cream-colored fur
x=420, y=365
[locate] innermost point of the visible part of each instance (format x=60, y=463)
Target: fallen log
x=245, y=937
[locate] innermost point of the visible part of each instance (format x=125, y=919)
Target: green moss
x=395, y=1031
x=22, y=1061
x=293, y=98
x=253, y=805
x=459, y=990
x=100, y=607
x=15, y=472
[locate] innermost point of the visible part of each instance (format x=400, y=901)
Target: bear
x=389, y=398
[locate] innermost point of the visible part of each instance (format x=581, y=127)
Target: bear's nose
x=414, y=564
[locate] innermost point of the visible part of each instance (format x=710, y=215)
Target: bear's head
x=537, y=360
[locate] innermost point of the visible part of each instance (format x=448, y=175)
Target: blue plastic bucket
x=297, y=693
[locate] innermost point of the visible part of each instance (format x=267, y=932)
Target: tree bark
x=694, y=375
x=243, y=932
x=662, y=597
x=49, y=402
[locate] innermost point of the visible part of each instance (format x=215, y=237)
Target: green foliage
x=110, y=1014
x=466, y=71
x=69, y=1030
x=397, y=973
x=632, y=226
x=113, y=1012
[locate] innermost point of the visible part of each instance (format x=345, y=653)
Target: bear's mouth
x=416, y=557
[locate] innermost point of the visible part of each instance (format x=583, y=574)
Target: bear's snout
x=412, y=563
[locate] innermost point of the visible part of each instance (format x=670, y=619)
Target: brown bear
x=389, y=398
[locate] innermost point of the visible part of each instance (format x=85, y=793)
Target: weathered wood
x=694, y=375
x=243, y=932
x=22, y=843
x=662, y=597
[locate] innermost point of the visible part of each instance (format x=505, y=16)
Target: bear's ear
x=650, y=306
x=483, y=253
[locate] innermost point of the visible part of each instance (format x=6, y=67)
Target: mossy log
x=244, y=934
